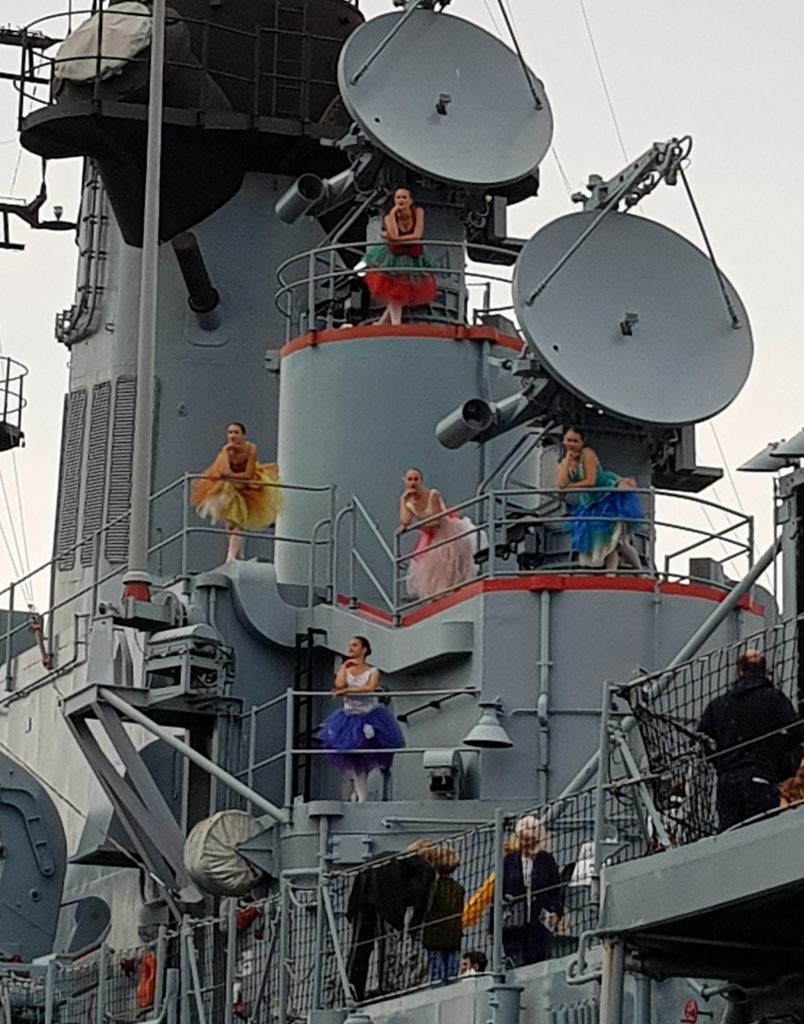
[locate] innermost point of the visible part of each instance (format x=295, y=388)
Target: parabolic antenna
x=635, y=321
x=445, y=98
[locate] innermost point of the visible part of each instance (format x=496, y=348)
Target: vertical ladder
x=304, y=722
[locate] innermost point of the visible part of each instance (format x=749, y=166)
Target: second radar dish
x=634, y=322
x=446, y=98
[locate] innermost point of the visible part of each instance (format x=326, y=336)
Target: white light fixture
x=488, y=733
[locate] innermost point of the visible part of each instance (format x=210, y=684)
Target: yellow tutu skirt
x=240, y=504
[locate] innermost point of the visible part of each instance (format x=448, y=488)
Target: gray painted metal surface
x=633, y=370
x=354, y=408
x=34, y=860
x=467, y=87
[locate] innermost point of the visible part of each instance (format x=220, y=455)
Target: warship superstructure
x=204, y=861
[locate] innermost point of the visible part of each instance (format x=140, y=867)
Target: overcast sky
x=725, y=71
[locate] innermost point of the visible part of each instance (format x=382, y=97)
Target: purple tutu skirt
x=341, y=731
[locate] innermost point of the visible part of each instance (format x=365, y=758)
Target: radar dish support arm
x=661, y=161
x=411, y=7
x=736, y=323
x=525, y=70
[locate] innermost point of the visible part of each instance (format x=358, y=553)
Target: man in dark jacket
x=753, y=727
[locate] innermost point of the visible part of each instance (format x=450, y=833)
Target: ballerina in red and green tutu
x=398, y=265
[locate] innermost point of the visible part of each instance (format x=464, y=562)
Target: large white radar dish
x=445, y=97
x=635, y=321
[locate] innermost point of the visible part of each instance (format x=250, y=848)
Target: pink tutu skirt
x=434, y=569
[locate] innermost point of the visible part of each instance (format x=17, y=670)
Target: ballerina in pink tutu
x=435, y=566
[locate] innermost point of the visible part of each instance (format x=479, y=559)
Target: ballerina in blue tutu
x=358, y=736
x=602, y=519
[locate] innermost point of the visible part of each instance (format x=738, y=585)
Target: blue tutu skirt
x=341, y=731
x=596, y=528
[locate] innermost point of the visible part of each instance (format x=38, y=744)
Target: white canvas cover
x=211, y=857
x=126, y=33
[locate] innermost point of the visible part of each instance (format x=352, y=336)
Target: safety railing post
x=185, y=527
x=600, y=791
x=284, y=947
x=252, y=750
x=652, y=532
x=331, y=289
x=9, y=636
x=100, y=996
x=352, y=546
x=290, y=728
x=231, y=956
x=311, y=321
x=318, y=952
x=397, y=567
x=49, y=991
x=184, y=972
x=491, y=496
x=330, y=584
x=161, y=967
x=462, y=296
x=497, y=953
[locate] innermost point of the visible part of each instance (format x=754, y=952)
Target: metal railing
x=666, y=766
x=261, y=766
x=499, y=521
x=324, y=288
x=307, y=947
x=172, y=558
x=263, y=87
x=12, y=400
x=514, y=532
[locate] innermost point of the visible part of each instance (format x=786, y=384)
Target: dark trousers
x=365, y=929
x=526, y=945
x=742, y=794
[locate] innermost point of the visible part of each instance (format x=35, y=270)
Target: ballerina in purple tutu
x=358, y=736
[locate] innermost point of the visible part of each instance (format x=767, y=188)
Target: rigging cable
x=490, y=13
x=24, y=563
x=26, y=586
x=512, y=28
x=15, y=172
x=603, y=82
x=21, y=514
x=561, y=171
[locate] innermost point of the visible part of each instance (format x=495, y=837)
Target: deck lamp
x=489, y=733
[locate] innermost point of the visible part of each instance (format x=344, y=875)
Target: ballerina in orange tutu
x=236, y=490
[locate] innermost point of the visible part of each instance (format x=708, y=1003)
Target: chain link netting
x=678, y=761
